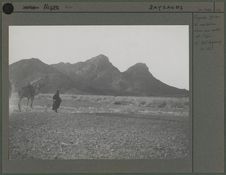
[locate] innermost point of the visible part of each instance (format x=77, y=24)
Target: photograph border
x=190, y=73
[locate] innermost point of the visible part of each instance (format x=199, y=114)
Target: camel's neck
x=37, y=85
x=37, y=89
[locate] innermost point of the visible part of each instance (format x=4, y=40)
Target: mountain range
x=96, y=76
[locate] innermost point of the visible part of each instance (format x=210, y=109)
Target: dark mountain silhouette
x=25, y=71
x=94, y=76
x=142, y=82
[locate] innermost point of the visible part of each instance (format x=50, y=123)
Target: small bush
x=150, y=104
x=142, y=103
x=177, y=105
x=162, y=105
x=122, y=103
x=99, y=99
x=118, y=103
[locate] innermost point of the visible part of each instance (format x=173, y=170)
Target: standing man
x=56, y=101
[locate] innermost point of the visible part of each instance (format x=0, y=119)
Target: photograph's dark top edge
x=113, y=7
x=109, y=1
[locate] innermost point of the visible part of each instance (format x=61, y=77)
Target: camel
x=30, y=91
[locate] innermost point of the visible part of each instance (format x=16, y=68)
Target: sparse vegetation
x=162, y=105
x=123, y=102
x=100, y=127
x=142, y=103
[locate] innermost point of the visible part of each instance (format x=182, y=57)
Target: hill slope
x=25, y=71
x=95, y=76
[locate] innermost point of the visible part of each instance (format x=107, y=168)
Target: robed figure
x=56, y=101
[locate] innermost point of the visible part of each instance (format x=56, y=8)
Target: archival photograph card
x=113, y=87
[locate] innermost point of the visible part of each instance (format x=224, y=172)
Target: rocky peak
x=99, y=58
x=138, y=68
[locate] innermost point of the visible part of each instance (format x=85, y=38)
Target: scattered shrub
x=122, y=103
x=177, y=105
x=99, y=99
x=118, y=103
x=162, y=105
x=150, y=104
x=142, y=103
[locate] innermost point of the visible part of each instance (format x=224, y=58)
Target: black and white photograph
x=99, y=92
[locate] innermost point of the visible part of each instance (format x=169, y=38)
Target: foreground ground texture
x=100, y=127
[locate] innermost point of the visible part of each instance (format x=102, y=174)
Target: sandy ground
x=100, y=127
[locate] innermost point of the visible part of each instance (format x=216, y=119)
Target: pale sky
x=163, y=48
